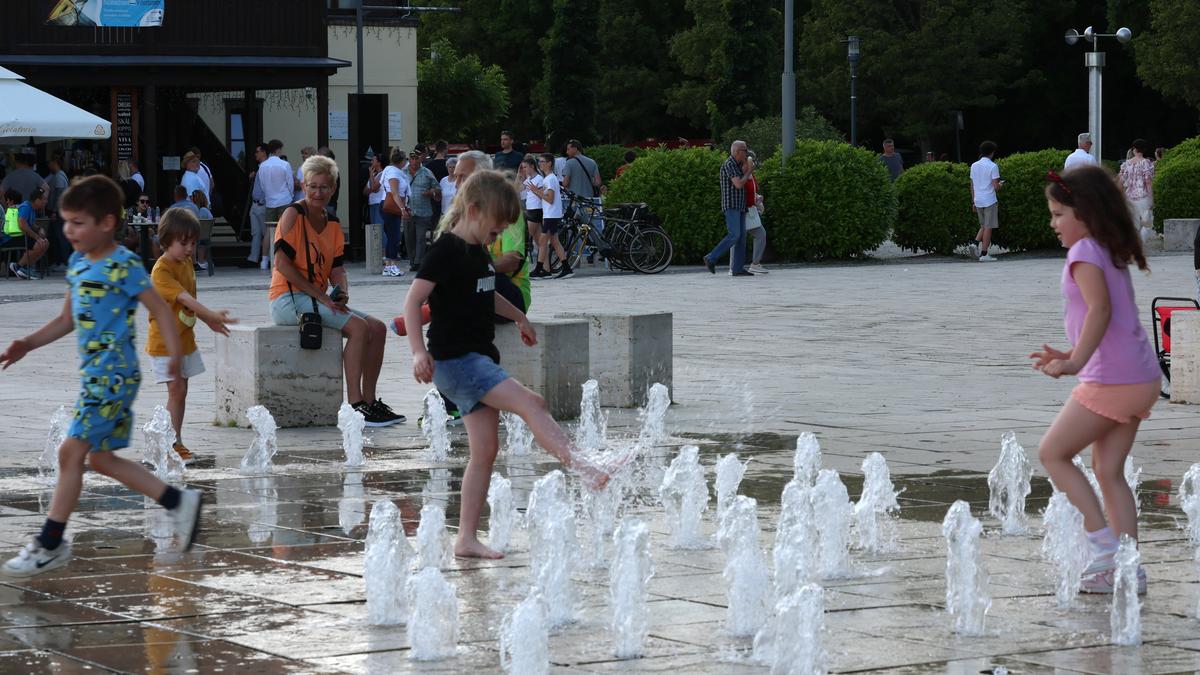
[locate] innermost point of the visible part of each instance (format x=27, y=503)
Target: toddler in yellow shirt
x=175, y=280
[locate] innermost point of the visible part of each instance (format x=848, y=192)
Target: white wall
x=390, y=67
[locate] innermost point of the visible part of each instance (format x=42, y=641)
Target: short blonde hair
x=318, y=165
x=489, y=191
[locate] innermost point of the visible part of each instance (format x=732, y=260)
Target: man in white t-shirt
x=1082, y=155
x=277, y=181
x=985, y=182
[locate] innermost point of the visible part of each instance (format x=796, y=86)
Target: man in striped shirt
x=734, y=174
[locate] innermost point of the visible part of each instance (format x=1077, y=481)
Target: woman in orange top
x=308, y=256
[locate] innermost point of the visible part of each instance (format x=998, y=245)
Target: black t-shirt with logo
x=462, y=304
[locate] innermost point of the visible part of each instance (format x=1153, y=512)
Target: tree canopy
x=464, y=93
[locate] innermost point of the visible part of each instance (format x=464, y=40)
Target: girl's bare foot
x=474, y=549
x=593, y=476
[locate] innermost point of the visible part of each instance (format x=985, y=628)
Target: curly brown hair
x=1093, y=193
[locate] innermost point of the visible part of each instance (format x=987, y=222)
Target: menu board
x=122, y=126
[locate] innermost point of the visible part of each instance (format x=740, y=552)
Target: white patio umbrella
x=27, y=112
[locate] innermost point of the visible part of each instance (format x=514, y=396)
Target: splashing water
x=1133, y=477
x=747, y=583
x=684, y=493
x=432, y=617
x=265, y=515
x=1008, y=483
x=800, y=619
x=434, y=426
x=807, y=460
x=1125, y=617
x=437, y=489
x=386, y=564
x=501, y=512
x=600, y=518
x=1196, y=559
x=60, y=423
x=967, y=598
x=874, y=514
x=795, y=553
x=1065, y=545
x=832, y=501
x=654, y=416
x=352, y=507
x=159, y=434
x=1090, y=475
x=351, y=424
x=520, y=440
x=257, y=460
x=729, y=476
x=1189, y=501
x=524, y=642
x=631, y=572
x=593, y=422
x=433, y=546
x=552, y=545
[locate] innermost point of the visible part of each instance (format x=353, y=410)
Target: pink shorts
x=1118, y=402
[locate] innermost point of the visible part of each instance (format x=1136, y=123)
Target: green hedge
x=764, y=134
x=609, y=157
x=830, y=201
x=681, y=187
x=1024, y=220
x=935, y=211
x=1177, y=189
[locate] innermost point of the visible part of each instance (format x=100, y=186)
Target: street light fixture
x=1094, y=61
x=852, y=55
x=788, y=84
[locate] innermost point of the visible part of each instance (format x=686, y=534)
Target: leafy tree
x=765, y=134
x=1166, y=53
x=458, y=95
x=693, y=49
x=921, y=59
x=566, y=96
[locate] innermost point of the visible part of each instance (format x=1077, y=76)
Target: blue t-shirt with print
x=26, y=211
x=103, y=302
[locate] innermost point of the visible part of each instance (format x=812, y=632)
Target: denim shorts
x=467, y=379
x=287, y=308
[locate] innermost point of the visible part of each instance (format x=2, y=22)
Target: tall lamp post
x=852, y=55
x=789, y=85
x=1094, y=61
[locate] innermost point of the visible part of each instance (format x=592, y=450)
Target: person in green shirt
x=508, y=257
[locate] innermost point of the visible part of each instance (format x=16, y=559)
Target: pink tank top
x=1124, y=355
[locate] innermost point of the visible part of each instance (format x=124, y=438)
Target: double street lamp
x=1094, y=61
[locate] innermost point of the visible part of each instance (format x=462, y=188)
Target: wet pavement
x=274, y=583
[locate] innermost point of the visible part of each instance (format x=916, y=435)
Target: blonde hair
x=489, y=191
x=318, y=165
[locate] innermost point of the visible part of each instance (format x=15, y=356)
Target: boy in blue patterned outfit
x=106, y=283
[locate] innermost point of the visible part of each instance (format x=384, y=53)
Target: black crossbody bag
x=310, y=322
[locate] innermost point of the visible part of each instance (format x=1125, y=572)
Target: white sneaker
x=33, y=559
x=1198, y=288
x=973, y=249
x=264, y=264
x=186, y=517
x=986, y=258
x=757, y=269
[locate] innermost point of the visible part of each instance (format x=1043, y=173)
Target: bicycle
x=630, y=240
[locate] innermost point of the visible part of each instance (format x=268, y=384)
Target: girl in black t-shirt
x=458, y=281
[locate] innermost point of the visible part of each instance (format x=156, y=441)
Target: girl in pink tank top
x=1110, y=354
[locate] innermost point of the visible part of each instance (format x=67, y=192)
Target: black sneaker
x=566, y=272
x=371, y=416
x=710, y=265
x=386, y=411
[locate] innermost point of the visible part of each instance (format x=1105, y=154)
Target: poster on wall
x=106, y=13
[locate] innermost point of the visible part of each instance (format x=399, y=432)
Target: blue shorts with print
x=104, y=411
x=467, y=379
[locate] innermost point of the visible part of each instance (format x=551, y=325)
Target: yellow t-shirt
x=171, y=278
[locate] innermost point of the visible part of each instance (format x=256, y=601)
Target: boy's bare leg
x=482, y=429
x=177, y=390
x=71, y=456
x=130, y=474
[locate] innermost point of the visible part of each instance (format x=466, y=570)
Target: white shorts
x=192, y=366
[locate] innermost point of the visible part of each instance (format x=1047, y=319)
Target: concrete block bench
x=1179, y=234
x=629, y=352
x=374, y=244
x=556, y=367
x=264, y=365
x=1185, y=357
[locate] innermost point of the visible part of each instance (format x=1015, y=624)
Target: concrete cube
x=264, y=365
x=629, y=352
x=374, y=244
x=1179, y=234
x=1185, y=357
x=556, y=367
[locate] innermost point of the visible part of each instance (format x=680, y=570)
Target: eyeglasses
x=143, y=201
x=319, y=188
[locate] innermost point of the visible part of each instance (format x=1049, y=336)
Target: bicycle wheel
x=567, y=235
x=651, y=251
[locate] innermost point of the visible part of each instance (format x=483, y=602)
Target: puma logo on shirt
x=485, y=285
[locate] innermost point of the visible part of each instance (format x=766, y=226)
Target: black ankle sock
x=170, y=498
x=52, y=534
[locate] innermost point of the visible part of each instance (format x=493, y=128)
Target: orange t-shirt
x=325, y=250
